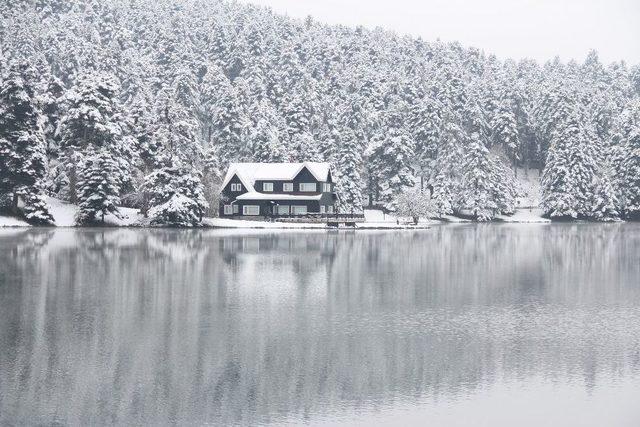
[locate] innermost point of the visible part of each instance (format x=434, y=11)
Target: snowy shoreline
x=64, y=215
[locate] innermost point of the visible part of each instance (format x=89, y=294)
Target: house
x=277, y=189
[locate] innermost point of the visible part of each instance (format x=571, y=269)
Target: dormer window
x=287, y=187
x=267, y=187
x=308, y=187
x=236, y=188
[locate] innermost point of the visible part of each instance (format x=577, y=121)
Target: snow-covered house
x=277, y=189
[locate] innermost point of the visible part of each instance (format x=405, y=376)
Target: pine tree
x=175, y=130
x=98, y=188
x=504, y=128
x=267, y=146
x=230, y=129
x=265, y=138
x=477, y=187
x=396, y=152
x=22, y=145
x=177, y=197
x=571, y=169
x=631, y=175
x=91, y=122
x=348, y=173
x=605, y=203
x=445, y=180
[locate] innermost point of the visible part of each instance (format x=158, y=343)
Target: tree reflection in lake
x=116, y=326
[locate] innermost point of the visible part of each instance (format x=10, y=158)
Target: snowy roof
x=254, y=195
x=249, y=173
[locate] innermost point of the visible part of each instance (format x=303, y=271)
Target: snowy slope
x=64, y=216
x=8, y=221
x=529, y=183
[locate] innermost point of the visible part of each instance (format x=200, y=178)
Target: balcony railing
x=319, y=217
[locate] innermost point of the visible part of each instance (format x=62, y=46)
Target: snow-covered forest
x=140, y=103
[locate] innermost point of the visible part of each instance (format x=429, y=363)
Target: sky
x=538, y=29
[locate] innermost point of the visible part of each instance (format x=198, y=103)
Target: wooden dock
x=332, y=220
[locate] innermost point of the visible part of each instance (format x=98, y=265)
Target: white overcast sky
x=539, y=29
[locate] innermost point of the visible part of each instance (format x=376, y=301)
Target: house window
x=236, y=209
x=236, y=187
x=326, y=187
x=267, y=186
x=283, y=210
x=330, y=209
x=251, y=210
x=228, y=209
x=323, y=209
x=287, y=187
x=299, y=210
x=308, y=187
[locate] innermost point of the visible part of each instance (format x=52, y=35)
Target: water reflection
x=194, y=327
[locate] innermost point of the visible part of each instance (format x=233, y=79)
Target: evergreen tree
x=445, y=180
x=177, y=196
x=605, y=203
x=631, y=175
x=348, y=173
x=91, y=122
x=504, y=127
x=98, y=188
x=477, y=186
x=267, y=146
x=22, y=145
x=395, y=151
x=571, y=169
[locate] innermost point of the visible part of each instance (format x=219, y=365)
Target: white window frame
x=323, y=209
x=236, y=209
x=246, y=210
x=299, y=210
x=330, y=209
x=283, y=211
x=287, y=187
x=326, y=187
x=236, y=188
x=267, y=187
x=228, y=209
x=304, y=185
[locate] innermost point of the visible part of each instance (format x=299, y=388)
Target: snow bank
x=64, y=215
x=238, y=223
x=8, y=221
x=524, y=216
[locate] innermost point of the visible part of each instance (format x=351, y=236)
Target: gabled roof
x=249, y=173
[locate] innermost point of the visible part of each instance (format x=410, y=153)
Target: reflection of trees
x=156, y=326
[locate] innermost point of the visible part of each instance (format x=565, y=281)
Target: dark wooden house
x=277, y=189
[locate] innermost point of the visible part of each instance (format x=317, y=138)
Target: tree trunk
x=73, y=177
x=14, y=204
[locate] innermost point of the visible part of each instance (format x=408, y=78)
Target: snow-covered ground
x=64, y=216
x=525, y=215
x=529, y=183
x=9, y=221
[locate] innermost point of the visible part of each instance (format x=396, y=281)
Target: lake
x=479, y=324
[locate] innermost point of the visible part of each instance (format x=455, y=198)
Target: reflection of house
x=270, y=189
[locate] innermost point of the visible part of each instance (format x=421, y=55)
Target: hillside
x=158, y=97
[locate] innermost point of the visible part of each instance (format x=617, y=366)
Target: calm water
x=457, y=325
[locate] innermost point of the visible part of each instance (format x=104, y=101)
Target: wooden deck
x=332, y=220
